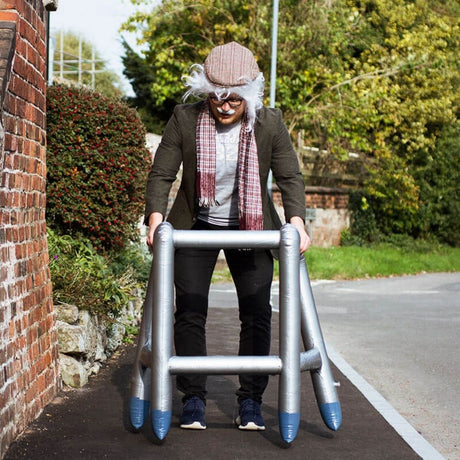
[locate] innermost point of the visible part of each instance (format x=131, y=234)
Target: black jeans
x=252, y=273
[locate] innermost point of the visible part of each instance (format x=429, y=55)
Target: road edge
x=415, y=440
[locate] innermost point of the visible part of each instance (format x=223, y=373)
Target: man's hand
x=155, y=219
x=304, y=238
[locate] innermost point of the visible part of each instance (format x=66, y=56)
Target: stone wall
x=28, y=340
x=326, y=213
x=328, y=207
x=86, y=341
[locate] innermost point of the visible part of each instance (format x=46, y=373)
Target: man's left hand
x=304, y=238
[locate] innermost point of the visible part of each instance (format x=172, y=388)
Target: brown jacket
x=178, y=145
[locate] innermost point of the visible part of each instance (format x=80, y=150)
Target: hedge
x=97, y=167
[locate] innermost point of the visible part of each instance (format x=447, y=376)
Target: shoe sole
x=193, y=426
x=250, y=426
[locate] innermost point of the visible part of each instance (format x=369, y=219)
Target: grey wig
x=252, y=91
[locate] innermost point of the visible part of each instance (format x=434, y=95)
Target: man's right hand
x=155, y=219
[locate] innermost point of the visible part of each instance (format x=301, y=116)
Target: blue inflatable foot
x=138, y=410
x=161, y=421
x=289, y=425
x=332, y=415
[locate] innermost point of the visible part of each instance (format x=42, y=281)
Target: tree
x=377, y=77
x=179, y=34
x=93, y=69
x=417, y=46
x=439, y=180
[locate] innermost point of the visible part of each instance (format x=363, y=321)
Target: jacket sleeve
x=286, y=171
x=163, y=172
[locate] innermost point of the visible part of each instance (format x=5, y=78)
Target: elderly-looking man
x=227, y=144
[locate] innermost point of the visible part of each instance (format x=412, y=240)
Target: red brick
x=41, y=381
x=8, y=16
x=4, y=198
x=20, y=108
x=21, y=127
x=18, y=87
x=7, y=4
x=10, y=143
x=26, y=31
x=28, y=13
x=24, y=226
x=31, y=392
x=9, y=124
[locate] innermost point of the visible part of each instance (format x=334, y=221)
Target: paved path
x=88, y=423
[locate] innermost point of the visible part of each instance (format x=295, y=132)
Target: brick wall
x=28, y=343
x=330, y=216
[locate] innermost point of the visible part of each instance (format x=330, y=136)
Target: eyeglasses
x=233, y=102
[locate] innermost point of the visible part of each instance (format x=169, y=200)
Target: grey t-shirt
x=226, y=212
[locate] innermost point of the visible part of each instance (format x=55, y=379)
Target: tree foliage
x=180, y=33
x=97, y=166
x=376, y=77
x=105, y=81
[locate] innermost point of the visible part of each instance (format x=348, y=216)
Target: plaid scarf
x=250, y=214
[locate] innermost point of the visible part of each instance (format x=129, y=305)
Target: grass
x=382, y=260
x=352, y=262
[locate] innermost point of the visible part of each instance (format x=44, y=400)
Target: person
x=226, y=143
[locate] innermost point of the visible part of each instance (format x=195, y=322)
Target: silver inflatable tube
x=162, y=320
x=226, y=365
x=323, y=381
x=146, y=354
x=310, y=360
x=224, y=239
x=140, y=377
x=289, y=318
x=154, y=364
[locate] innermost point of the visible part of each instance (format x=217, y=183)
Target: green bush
x=82, y=277
x=363, y=225
x=135, y=255
x=97, y=166
x=439, y=180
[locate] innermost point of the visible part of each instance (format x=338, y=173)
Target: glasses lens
x=231, y=101
x=234, y=102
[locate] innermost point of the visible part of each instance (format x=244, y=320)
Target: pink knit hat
x=231, y=65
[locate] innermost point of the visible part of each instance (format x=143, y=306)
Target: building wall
x=331, y=216
x=28, y=343
x=326, y=212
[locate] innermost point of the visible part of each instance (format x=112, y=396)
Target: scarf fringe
x=207, y=202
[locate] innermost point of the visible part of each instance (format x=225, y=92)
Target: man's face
x=229, y=110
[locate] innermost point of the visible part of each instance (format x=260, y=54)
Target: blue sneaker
x=249, y=417
x=192, y=417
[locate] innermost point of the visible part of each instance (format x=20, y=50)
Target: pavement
x=90, y=423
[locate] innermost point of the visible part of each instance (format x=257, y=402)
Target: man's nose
x=226, y=106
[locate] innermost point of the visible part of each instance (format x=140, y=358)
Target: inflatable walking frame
x=151, y=386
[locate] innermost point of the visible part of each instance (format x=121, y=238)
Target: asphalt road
x=402, y=336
